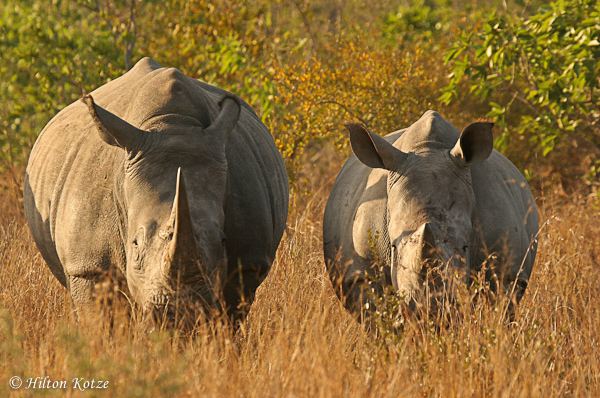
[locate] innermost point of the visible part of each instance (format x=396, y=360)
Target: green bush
x=51, y=53
x=539, y=75
x=419, y=20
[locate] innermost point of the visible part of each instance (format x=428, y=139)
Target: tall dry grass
x=298, y=339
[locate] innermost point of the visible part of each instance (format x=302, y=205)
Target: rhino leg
x=357, y=290
x=358, y=299
x=81, y=290
x=241, y=286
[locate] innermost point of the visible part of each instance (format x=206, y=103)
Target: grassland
x=307, y=67
x=299, y=341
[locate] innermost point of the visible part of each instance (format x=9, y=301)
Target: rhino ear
x=373, y=150
x=475, y=143
x=112, y=129
x=228, y=116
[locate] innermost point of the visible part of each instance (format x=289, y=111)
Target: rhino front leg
x=241, y=285
x=361, y=296
x=81, y=290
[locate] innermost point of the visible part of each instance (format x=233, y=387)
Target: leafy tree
x=384, y=89
x=51, y=53
x=539, y=75
x=308, y=66
x=421, y=19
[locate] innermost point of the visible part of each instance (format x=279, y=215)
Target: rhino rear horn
x=112, y=129
x=228, y=116
x=182, y=248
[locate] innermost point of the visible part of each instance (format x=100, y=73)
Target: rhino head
x=430, y=200
x=171, y=205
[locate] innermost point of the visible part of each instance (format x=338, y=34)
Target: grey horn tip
x=179, y=181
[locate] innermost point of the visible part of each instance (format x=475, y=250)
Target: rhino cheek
x=145, y=276
x=135, y=286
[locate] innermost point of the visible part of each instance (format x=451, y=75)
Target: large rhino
x=426, y=197
x=174, y=182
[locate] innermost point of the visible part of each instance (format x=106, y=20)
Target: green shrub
x=539, y=75
x=384, y=89
x=51, y=53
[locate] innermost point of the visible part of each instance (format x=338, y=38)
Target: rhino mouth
x=439, y=296
x=164, y=316
x=181, y=310
x=161, y=310
x=161, y=300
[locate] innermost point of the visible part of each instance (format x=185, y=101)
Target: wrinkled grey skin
x=422, y=196
x=172, y=181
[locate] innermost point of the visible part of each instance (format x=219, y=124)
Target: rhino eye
x=465, y=248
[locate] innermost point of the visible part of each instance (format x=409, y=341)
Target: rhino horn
x=228, y=116
x=426, y=243
x=182, y=249
x=112, y=129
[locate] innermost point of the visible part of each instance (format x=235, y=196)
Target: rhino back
x=257, y=195
x=257, y=200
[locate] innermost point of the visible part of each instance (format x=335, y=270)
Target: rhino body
x=427, y=192
x=202, y=170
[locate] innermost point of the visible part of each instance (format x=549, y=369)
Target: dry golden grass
x=299, y=341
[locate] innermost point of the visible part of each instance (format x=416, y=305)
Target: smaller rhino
x=424, y=197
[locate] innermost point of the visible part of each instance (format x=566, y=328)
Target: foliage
x=309, y=66
x=223, y=43
x=385, y=90
x=540, y=75
x=51, y=53
x=421, y=19
x=266, y=52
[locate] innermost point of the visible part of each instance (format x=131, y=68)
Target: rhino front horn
x=182, y=249
x=112, y=129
